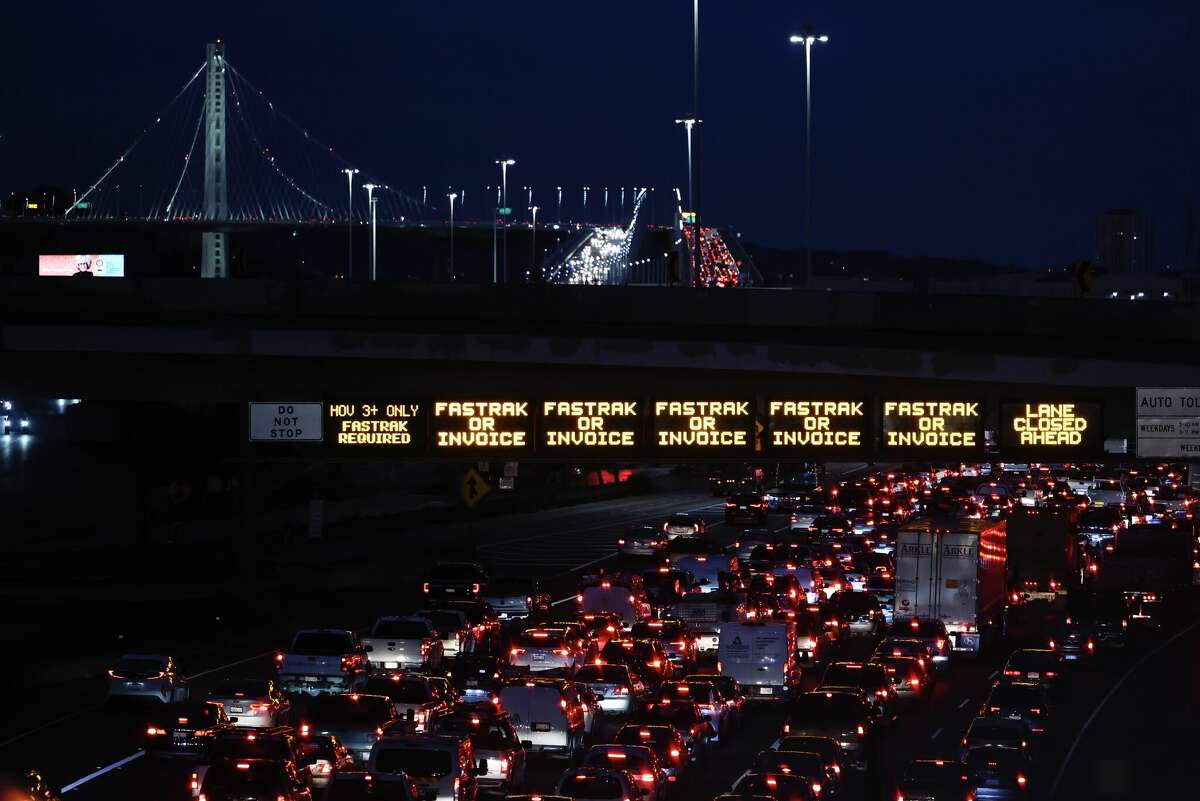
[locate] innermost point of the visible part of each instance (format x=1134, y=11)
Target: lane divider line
x=965, y=701
x=562, y=600
x=936, y=734
x=1062, y=769
x=120, y=763
x=44, y=726
x=219, y=668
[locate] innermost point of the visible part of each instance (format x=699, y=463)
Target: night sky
x=990, y=131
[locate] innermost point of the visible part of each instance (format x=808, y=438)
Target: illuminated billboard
x=1068, y=428
x=392, y=425
x=802, y=427
x=111, y=265
x=487, y=426
x=703, y=426
x=930, y=426
x=603, y=425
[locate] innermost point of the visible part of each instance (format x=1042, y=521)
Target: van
x=547, y=714
x=442, y=766
x=760, y=657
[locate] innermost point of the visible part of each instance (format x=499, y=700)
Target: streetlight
x=453, y=196
x=559, y=205
x=503, y=203
x=350, y=173
x=808, y=37
x=533, y=245
x=688, y=124
x=585, y=191
x=371, y=201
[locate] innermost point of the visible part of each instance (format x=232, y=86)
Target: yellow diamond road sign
x=473, y=488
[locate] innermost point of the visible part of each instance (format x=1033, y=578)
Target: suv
x=456, y=580
x=320, y=661
x=744, y=504
x=858, y=613
x=618, y=689
x=256, y=778
x=413, y=697
x=673, y=635
x=515, y=598
x=442, y=766
x=496, y=744
x=356, y=720
x=548, y=649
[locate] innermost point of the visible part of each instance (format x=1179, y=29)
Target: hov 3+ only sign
x=285, y=422
x=1168, y=423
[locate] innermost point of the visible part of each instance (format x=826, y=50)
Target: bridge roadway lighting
x=808, y=37
x=503, y=203
x=559, y=188
x=688, y=124
x=453, y=196
x=350, y=173
x=371, y=201
x=533, y=245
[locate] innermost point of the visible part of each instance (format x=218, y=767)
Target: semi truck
x=1150, y=564
x=1043, y=554
x=953, y=571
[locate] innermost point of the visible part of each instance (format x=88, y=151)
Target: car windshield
x=1018, y=695
x=424, y=762
x=401, y=629
x=455, y=572
x=658, y=629
x=797, y=762
x=347, y=710
x=629, y=759
x=680, y=715
x=657, y=737
x=322, y=643
x=493, y=735
x=826, y=747
x=617, y=674
x=1034, y=660
x=541, y=639
x=1107, y=484
x=403, y=691
x=983, y=730
x=681, y=520
x=249, y=746
x=193, y=714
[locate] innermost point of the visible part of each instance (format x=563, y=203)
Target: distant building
x=1125, y=242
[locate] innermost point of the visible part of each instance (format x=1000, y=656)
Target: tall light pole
x=808, y=37
x=503, y=203
x=350, y=173
x=533, y=246
x=453, y=196
x=688, y=124
x=585, y=191
x=559, y=205
x=371, y=200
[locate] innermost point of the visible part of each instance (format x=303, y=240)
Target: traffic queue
x=845, y=618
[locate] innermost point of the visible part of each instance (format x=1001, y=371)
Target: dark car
x=746, y=505
x=184, y=729
x=665, y=741
x=931, y=631
x=688, y=719
x=933, y=780
x=516, y=597
x=778, y=786
x=476, y=676
x=255, y=780
x=872, y=678
x=665, y=586
x=998, y=773
x=357, y=720
x=858, y=613
x=481, y=617
x=1039, y=665
x=1019, y=700
x=844, y=716
x=456, y=580
x=805, y=764
x=357, y=785
x=1074, y=640
x=827, y=748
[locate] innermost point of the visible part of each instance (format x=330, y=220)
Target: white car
x=804, y=516
x=546, y=713
x=1106, y=492
x=443, y=766
x=147, y=676
x=396, y=643
x=252, y=703
x=452, y=627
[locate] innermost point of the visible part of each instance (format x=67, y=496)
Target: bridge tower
x=214, y=261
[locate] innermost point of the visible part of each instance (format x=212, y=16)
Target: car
x=707, y=698
x=496, y=745
x=477, y=677
x=516, y=598
x=807, y=765
x=147, y=676
x=252, y=703
x=831, y=526
x=1074, y=640
x=677, y=641
x=323, y=755
x=803, y=517
x=402, y=643
x=707, y=562
x=1100, y=525
x=1107, y=492
x=932, y=780
x=994, y=730
x=750, y=505
x=642, y=541
x=546, y=713
x=998, y=773
x=884, y=589
x=910, y=676
x=545, y=648
x=414, y=698
x=646, y=658
x=597, y=784
x=872, y=678
x=845, y=716
x=452, y=629
x=360, y=785
x=621, y=595
x=456, y=580
x=930, y=631
x=665, y=741
x=589, y=704
x=895, y=645
x=281, y=745
x=183, y=728
x=639, y=761
x=750, y=539
x=442, y=766
x=600, y=627
x=827, y=748
x=257, y=779
x=858, y=613
x=730, y=692
x=616, y=687
x=684, y=524
x=777, y=786
x=357, y=720
x=320, y=661
x=687, y=717
x=1019, y=700
x=483, y=624
x=1040, y=665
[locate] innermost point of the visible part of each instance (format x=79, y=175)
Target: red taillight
x=425, y=587
x=303, y=729
x=674, y=753
x=1051, y=674
x=475, y=588
x=940, y=643
x=1011, y=672
x=517, y=651
x=647, y=778
x=1021, y=780
x=816, y=788
x=279, y=658
x=915, y=682
x=861, y=730
x=260, y=707
x=195, y=782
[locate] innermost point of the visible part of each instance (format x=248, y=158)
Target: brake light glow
x=153, y=732
x=1021, y=780
x=861, y=730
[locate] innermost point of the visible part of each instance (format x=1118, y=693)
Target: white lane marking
x=965, y=701
x=738, y=779
x=1062, y=769
x=562, y=600
x=936, y=734
x=219, y=668
x=120, y=763
x=594, y=561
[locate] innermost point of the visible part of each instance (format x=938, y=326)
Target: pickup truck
x=401, y=643
x=320, y=661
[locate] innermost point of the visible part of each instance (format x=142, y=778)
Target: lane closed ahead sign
x=285, y=422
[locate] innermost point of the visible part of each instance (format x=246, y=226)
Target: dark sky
x=988, y=130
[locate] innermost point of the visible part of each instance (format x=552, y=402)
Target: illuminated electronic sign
x=1054, y=427
x=482, y=425
x=392, y=425
x=926, y=426
x=809, y=425
x=578, y=424
x=703, y=425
